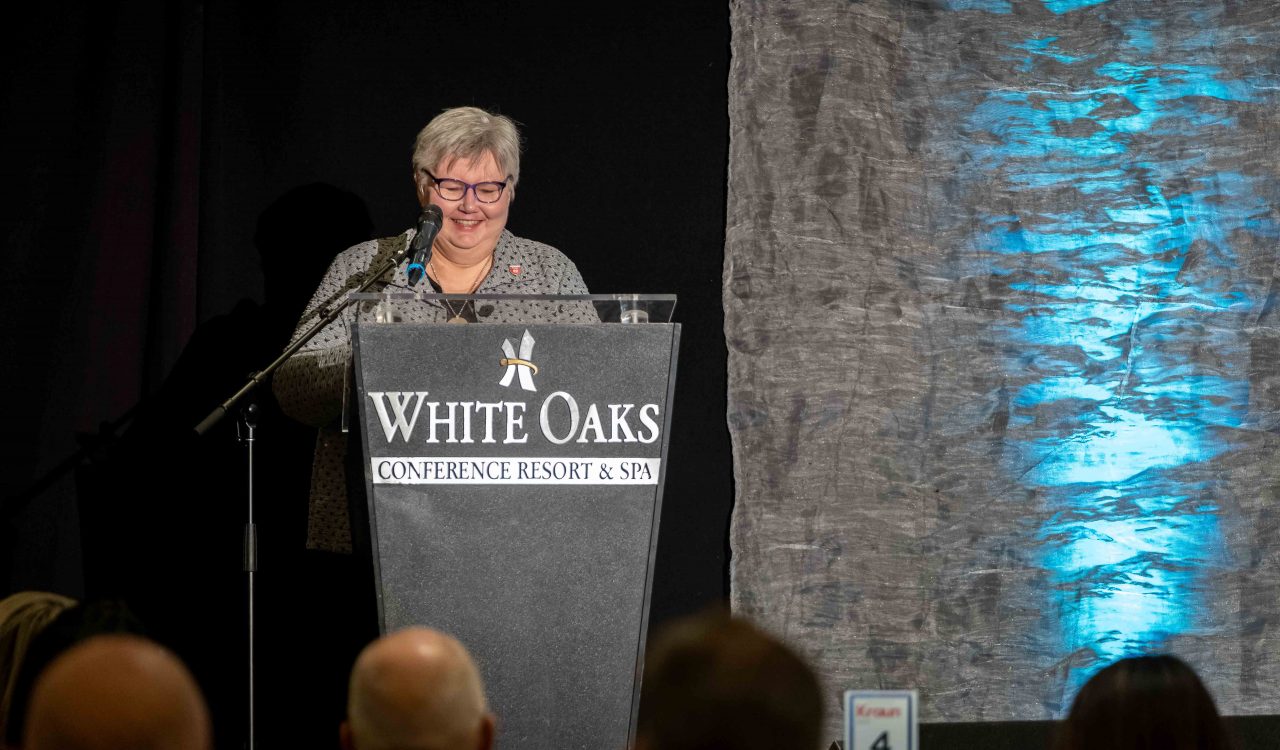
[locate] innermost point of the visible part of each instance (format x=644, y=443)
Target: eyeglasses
x=453, y=190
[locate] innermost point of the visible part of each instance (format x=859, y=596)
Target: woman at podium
x=466, y=161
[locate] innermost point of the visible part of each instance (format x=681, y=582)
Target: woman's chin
x=466, y=250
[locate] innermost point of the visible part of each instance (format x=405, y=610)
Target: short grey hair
x=469, y=133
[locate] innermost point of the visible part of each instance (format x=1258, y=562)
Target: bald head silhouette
x=416, y=689
x=117, y=692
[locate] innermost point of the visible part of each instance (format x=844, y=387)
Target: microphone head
x=431, y=214
x=429, y=223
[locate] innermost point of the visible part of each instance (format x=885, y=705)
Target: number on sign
x=882, y=742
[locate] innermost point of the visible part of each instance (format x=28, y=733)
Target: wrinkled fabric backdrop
x=999, y=292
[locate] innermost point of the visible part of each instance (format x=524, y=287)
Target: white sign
x=881, y=720
x=504, y=470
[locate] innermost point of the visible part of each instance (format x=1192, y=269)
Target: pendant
x=457, y=319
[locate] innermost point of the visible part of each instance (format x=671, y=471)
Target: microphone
x=429, y=224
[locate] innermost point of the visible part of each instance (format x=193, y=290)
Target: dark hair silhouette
x=715, y=683
x=1144, y=703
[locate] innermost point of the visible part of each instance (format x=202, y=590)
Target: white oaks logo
x=523, y=365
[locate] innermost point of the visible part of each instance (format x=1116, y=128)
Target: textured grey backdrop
x=1002, y=345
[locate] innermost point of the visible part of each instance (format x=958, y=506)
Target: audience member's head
x=116, y=692
x=1143, y=702
x=714, y=682
x=71, y=626
x=416, y=689
x=22, y=616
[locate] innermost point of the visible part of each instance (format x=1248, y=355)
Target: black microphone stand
x=249, y=422
x=245, y=429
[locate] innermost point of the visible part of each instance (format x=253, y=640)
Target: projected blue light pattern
x=1124, y=303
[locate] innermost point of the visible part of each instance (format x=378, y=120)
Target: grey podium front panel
x=537, y=554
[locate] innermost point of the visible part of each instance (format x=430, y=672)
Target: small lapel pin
x=516, y=269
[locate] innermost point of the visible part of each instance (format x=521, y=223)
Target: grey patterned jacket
x=310, y=385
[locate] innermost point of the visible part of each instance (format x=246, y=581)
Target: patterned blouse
x=311, y=384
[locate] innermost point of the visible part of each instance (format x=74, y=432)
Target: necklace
x=456, y=316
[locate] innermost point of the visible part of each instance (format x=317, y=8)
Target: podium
x=513, y=478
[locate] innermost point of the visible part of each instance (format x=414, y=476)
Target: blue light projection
x=1124, y=305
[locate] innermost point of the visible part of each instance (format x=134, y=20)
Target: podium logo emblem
x=521, y=365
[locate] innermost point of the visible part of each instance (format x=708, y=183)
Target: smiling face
x=471, y=228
